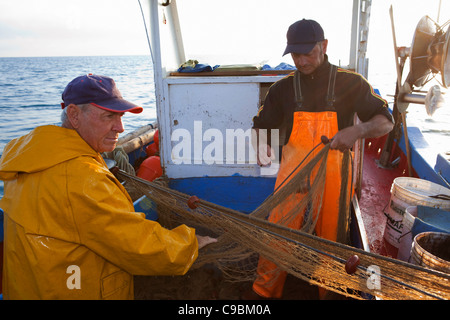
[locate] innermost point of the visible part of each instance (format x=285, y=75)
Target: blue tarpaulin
x=194, y=66
x=431, y=219
x=281, y=66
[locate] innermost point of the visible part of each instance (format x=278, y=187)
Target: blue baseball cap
x=99, y=91
x=302, y=36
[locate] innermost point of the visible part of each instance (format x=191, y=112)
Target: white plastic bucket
x=430, y=250
x=406, y=239
x=407, y=192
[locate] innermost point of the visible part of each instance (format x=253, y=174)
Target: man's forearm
x=378, y=126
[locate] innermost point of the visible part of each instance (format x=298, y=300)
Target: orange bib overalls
x=307, y=129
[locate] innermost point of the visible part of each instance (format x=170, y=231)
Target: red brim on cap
x=118, y=105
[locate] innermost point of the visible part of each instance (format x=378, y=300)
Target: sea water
x=31, y=88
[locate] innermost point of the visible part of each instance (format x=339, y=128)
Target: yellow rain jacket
x=70, y=227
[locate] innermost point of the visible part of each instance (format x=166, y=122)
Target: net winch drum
x=431, y=250
x=430, y=53
x=406, y=192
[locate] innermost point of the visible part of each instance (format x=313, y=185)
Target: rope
x=146, y=32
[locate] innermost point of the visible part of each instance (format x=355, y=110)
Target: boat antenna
x=146, y=31
x=439, y=10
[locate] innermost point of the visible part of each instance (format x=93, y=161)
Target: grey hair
x=65, y=119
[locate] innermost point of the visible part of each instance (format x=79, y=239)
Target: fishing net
x=242, y=238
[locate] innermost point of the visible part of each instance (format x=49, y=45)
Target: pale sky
x=71, y=28
x=115, y=27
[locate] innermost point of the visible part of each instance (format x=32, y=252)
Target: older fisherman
x=70, y=227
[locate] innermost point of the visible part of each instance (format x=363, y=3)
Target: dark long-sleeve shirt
x=353, y=94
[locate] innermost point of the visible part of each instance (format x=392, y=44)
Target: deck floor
x=376, y=194
x=207, y=284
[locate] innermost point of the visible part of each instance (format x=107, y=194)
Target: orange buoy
x=156, y=138
x=151, y=150
x=150, y=168
x=352, y=264
x=192, y=202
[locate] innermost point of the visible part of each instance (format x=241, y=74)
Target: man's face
x=309, y=62
x=100, y=128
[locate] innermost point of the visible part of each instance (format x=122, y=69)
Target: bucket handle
x=441, y=197
x=400, y=238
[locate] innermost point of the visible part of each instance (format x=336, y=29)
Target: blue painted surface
x=424, y=169
x=431, y=219
x=443, y=167
x=137, y=154
x=239, y=193
x=236, y=192
x=147, y=206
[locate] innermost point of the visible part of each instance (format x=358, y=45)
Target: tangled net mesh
x=242, y=238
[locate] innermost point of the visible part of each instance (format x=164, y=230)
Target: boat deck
x=376, y=193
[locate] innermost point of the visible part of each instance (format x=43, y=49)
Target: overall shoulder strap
x=331, y=83
x=298, y=90
x=330, y=99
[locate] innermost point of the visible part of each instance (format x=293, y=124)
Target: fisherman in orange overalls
x=319, y=99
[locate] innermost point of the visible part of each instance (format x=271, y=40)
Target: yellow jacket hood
x=53, y=144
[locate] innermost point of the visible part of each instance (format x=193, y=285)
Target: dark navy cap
x=302, y=36
x=99, y=91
